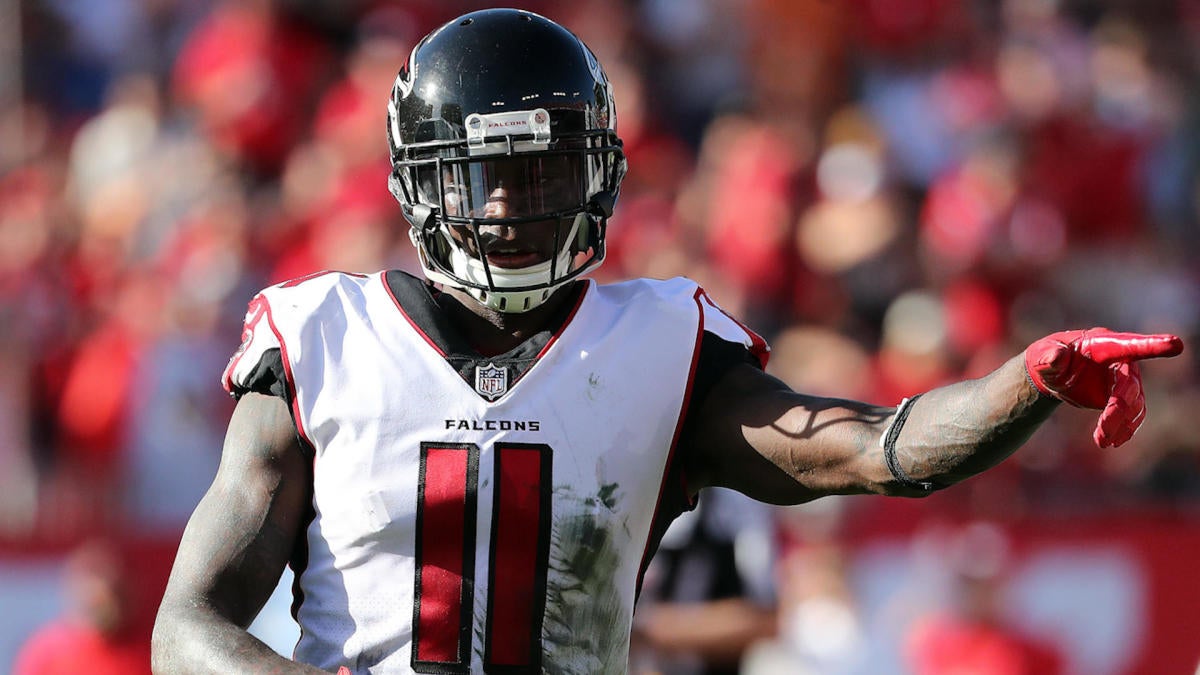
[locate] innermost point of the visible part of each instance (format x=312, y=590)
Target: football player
x=469, y=472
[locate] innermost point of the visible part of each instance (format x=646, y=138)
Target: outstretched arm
x=756, y=435
x=234, y=549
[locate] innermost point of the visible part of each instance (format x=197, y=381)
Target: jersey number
x=447, y=504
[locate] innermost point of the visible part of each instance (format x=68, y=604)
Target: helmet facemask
x=461, y=193
x=508, y=202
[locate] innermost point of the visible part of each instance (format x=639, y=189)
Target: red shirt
x=953, y=646
x=70, y=648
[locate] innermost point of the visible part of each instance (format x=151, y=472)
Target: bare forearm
x=234, y=549
x=957, y=431
x=719, y=631
x=227, y=564
x=198, y=640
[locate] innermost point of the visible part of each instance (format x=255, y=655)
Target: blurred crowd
x=896, y=194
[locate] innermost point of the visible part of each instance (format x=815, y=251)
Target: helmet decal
x=500, y=126
x=594, y=65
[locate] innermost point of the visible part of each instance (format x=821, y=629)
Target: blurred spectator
x=822, y=629
x=972, y=634
x=95, y=635
x=913, y=355
x=821, y=362
x=709, y=594
x=248, y=71
x=850, y=240
x=697, y=52
x=742, y=210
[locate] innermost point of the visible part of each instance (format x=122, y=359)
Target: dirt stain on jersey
x=586, y=627
x=593, y=386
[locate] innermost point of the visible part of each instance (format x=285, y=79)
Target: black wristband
x=889, y=448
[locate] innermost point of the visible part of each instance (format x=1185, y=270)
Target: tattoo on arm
x=759, y=437
x=963, y=429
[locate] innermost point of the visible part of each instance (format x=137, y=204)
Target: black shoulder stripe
x=267, y=377
x=419, y=304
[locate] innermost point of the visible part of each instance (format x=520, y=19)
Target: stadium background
x=897, y=194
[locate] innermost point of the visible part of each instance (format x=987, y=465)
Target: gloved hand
x=1097, y=368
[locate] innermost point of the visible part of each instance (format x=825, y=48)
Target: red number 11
x=447, y=503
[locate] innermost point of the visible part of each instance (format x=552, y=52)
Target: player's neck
x=491, y=332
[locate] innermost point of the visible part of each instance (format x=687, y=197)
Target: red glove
x=1097, y=368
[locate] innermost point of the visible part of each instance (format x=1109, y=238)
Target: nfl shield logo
x=491, y=381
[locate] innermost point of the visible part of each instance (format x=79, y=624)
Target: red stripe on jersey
x=255, y=312
x=291, y=283
x=520, y=550
x=441, y=555
x=758, y=345
x=687, y=399
x=578, y=303
x=293, y=391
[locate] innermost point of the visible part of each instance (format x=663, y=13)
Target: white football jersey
x=475, y=514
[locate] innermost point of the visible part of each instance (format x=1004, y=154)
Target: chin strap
x=602, y=204
x=420, y=216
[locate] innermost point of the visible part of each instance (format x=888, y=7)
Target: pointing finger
x=1110, y=347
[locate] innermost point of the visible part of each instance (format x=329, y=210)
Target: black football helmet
x=504, y=104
